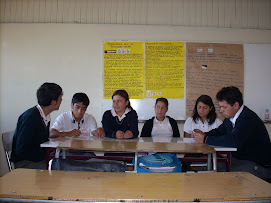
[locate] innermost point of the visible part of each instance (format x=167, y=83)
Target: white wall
x=71, y=55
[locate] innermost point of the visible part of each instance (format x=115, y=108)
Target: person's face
x=160, y=110
x=203, y=110
x=58, y=102
x=78, y=110
x=119, y=104
x=227, y=110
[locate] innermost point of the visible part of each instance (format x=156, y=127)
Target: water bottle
x=266, y=115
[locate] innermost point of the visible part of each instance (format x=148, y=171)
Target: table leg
x=209, y=162
x=57, y=153
x=228, y=163
x=47, y=154
x=64, y=154
x=214, y=162
x=136, y=156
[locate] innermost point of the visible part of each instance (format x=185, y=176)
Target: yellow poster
x=123, y=68
x=164, y=69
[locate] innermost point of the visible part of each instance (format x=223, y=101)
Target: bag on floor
x=159, y=163
x=96, y=165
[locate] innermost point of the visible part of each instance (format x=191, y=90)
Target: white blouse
x=190, y=125
x=162, y=128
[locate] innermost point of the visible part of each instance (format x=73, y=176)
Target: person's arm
x=199, y=136
x=55, y=133
x=147, y=128
x=128, y=134
x=108, y=125
x=185, y=134
x=227, y=136
x=92, y=124
x=133, y=123
x=174, y=125
x=58, y=129
x=99, y=133
x=187, y=127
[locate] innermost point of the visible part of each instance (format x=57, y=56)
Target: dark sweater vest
x=30, y=132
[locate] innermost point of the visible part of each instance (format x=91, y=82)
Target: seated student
x=242, y=128
x=33, y=129
x=121, y=121
x=160, y=125
x=76, y=122
x=203, y=118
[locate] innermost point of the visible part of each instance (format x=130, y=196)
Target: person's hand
x=128, y=134
x=198, y=135
x=119, y=134
x=74, y=133
x=99, y=133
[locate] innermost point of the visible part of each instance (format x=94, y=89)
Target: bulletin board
x=146, y=70
x=205, y=68
x=210, y=67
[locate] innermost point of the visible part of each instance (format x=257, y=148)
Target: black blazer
x=249, y=136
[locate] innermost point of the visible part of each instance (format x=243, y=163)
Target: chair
x=7, y=144
x=96, y=165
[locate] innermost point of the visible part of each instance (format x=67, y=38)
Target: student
x=33, y=129
x=203, y=118
x=76, y=122
x=242, y=128
x=121, y=121
x=160, y=125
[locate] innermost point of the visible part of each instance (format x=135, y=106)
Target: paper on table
x=189, y=140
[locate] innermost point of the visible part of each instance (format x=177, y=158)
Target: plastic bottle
x=266, y=115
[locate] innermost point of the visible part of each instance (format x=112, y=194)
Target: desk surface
x=120, y=146
x=94, y=186
x=53, y=143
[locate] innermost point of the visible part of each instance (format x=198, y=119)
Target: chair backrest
x=7, y=144
x=89, y=165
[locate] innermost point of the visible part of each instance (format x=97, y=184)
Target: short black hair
x=231, y=95
x=80, y=97
x=162, y=99
x=47, y=93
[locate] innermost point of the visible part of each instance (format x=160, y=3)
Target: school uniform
x=190, y=125
x=247, y=132
x=32, y=130
x=112, y=122
x=65, y=122
x=167, y=127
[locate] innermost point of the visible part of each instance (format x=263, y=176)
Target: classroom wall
x=71, y=55
x=244, y=14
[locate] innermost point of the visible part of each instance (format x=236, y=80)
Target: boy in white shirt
x=76, y=122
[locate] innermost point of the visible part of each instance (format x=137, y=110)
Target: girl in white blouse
x=203, y=118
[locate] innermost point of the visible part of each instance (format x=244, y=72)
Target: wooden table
x=53, y=143
x=137, y=147
x=30, y=184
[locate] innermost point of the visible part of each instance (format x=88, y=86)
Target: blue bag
x=159, y=163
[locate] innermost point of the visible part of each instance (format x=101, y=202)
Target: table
x=26, y=185
x=138, y=147
x=53, y=143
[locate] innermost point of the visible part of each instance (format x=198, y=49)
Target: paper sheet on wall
x=123, y=68
x=211, y=66
x=164, y=69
